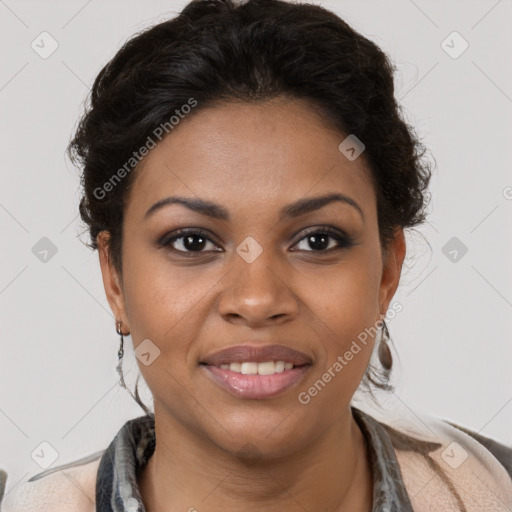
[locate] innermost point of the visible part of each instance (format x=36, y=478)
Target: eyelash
x=344, y=241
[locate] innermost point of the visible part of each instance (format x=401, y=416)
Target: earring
x=385, y=357
x=120, y=354
x=119, y=370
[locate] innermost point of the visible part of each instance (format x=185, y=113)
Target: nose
x=257, y=294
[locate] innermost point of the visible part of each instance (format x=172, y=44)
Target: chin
x=260, y=435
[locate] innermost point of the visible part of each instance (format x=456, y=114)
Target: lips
x=261, y=354
x=238, y=370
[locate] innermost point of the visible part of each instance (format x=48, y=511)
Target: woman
x=247, y=183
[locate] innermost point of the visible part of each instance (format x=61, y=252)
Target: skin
x=253, y=160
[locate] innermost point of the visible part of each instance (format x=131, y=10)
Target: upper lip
x=257, y=354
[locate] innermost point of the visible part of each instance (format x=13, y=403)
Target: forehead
x=250, y=155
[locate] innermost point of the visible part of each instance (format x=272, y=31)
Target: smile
x=256, y=372
x=253, y=368
x=256, y=386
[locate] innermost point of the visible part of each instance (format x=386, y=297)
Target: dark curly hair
x=217, y=51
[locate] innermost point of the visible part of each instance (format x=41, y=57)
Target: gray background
x=58, y=342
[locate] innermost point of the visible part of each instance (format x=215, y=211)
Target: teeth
x=249, y=368
x=267, y=368
x=235, y=367
x=253, y=368
x=279, y=366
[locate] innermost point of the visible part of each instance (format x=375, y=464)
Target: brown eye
x=321, y=240
x=188, y=241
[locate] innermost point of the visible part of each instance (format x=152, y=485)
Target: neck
x=331, y=474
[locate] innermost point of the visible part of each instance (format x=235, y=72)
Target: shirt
x=407, y=468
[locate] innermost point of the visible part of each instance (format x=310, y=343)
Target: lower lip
x=256, y=387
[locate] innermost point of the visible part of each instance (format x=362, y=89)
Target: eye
x=318, y=240
x=188, y=241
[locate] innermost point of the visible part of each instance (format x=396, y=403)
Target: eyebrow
x=215, y=211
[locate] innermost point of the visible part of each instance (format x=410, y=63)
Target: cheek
x=158, y=293
x=162, y=308
x=166, y=304
x=346, y=328
x=347, y=295
x=344, y=310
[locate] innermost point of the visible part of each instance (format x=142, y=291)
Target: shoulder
x=66, y=488
x=502, y=452
x=448, y=465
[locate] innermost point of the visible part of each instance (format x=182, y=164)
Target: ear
x=112, y=281
x=392, y=269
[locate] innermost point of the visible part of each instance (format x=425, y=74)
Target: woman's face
x=252, y=270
